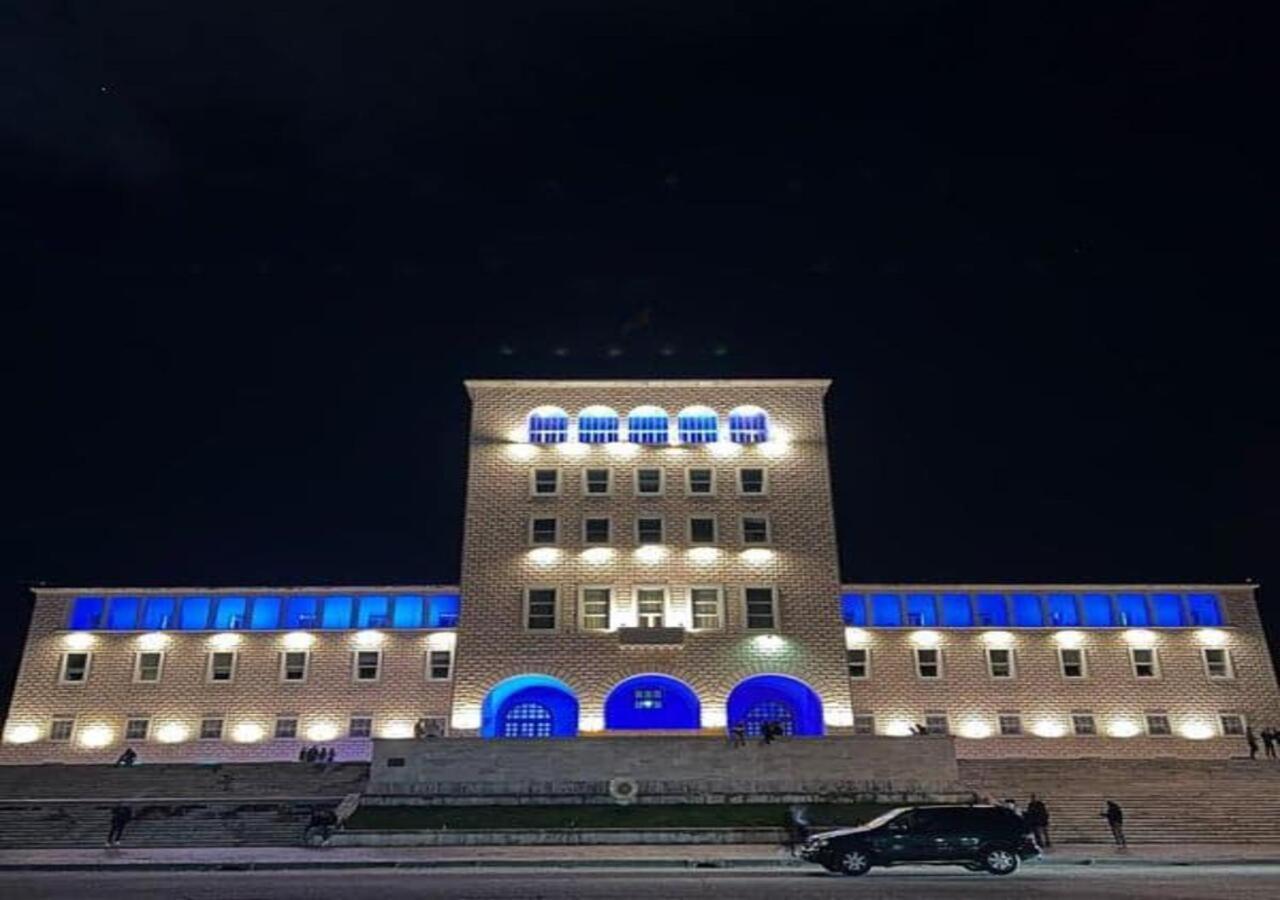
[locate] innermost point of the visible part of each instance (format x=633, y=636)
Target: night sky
x=250, y=251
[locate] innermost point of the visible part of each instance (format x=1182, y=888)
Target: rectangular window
x=1063, y=610
x=755, y=530
x=147, y=666
x=86, y=613
x=993, y=611
x=1158, y=725
x=651, y=605
x=360, y=727
x=406, y=611
x=859, y=660
x=302, y=612
x=1000, y=662
x=540, y=609
x=596, y=603
x=286, y=728
x=700, y=481
x=649, y=531
x=543, y=531
x=193, y=613
x=158, y=613
x=545, y=482
x=647, y=698
x=649, y=482
x=1072, y=661
x=1131, y=611
x=762, y=612
x=136, y=729
x=371, y=612
x=853, y=609
x=597, y=482
x=367, y=664
x=123, y=614
x=1217, y=662
x=443, y=611
x=439, y=665
x=1083, y=724
x=936, y=723
x=928, y=662
x=222, y=666
x=595, y=531
x=264, y=615
x=337, y=612
x=61, y=729
x=1166, y=610
x=957, y=611
x=231, y=613
x=1232, y=724
x=752, y=481
x=708, y=608
x=702, y=530
x=1010, y=724
x=886, y=610
x=1144, y=662
x=75, y=668
x=1097, y=610
x=1204, y=609
x=293, y=665
x=922, y=610
x=1027, y=611
x=864, y=723
x=211, y=729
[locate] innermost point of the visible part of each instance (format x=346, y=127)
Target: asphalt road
x=1157, y=882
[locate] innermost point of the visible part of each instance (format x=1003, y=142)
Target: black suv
x=990, y=838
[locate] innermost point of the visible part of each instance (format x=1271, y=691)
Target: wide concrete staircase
x=250, y=804
x=1165, y=801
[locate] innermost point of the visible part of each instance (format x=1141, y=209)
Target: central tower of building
x=649, y=556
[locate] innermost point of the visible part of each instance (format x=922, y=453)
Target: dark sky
x=254, y=248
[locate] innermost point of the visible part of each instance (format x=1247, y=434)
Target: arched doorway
x=652, y=702
x=530, y=706
x=775, y=698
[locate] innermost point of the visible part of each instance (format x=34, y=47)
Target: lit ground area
x=1242, y=882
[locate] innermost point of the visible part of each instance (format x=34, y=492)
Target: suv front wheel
x=1000, y=861
x=855, y=861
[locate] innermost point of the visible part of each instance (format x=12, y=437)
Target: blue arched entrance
x=652, y=701
x=529, y=706
x=775, y=698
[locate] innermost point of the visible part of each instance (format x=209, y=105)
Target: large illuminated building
x=642, y=557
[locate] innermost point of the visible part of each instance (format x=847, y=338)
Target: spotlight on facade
x=96, y=736
x=997, y=638
x=757, y=556
x=1047, y=728
x=1197, y=731
x=856, y=637
x=442, y=640
x=926, y=638
x=724, y=448
x=1069, y=639
x=153, y=640
x=714, y=716
x=975, y=729
x=573, y=449
x=897, y=728
x=769, y=643
x=298, y=640
x=777, y=445
x=247, y=733
x=397, y=729
x=322, y=731
x=224, y=641
x=171, y=733
x=597, y=555
x=522, y=452
x=1123, y=728
x=78, y=640
x=465, y=719
x=544, y=556
x=1140, y=637
x=622, y=451
x=704, y=554
x=1213, y=637
x=370, y=638
x=22, y=734
x=591, y=722
x=834, y=717
x=651, y=553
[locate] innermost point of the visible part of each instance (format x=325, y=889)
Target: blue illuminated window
x=854, y=609
x=1027, y=611
x=648, y=425
x=122, y=614
x=648, y=698
x=548, y=425
x=266, y=613
x=230, y=612
x=193, y=614
x=374, y=612
x=1204, y=609
x=1166, y=610
x=1063, y=610
x=748, y=425
x=407, y=612
x=301, y=612
x=992, y=610
x=444, y=611
x=337, y=612
x=922, y=609
x=957, y=611
x=159, y=613
x=698, y=425
x=86, y=613
x=1131, y=610
x=597, y=425
x=1097, y=610
x=886, y=610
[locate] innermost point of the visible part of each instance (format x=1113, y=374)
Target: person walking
x=797, y=827
x=1037, y=816
x=121, y=814
x=1252, y=741
x=740, y=734
x=1268, y=743
x=127, y=758
x=332, y=753
x=1115, y=818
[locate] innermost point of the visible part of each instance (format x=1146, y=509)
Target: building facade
x=643, y=557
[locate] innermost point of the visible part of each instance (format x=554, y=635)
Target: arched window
x=548, y=425
x=775, y=698
x=652, y=702
x=529, y=706
x=769, y=711
x=597, y=425
x=748, y=425
x=698, y=425
x=527, y=720
x=648, y=425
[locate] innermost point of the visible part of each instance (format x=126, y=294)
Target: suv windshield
x=886, y=817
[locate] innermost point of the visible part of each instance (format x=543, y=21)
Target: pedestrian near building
x=121, y=815
x=127, y=758
x=1037, y=816
x=1268, y=743
x=1115, y=819
x=1252, y=741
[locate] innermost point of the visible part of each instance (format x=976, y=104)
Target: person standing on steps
x=1252, y=741
x=1268, y=743
x=121, y=814
x=1037, y=816
x=1115, y=818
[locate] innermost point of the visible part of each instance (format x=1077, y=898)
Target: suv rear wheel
x=854, y=862
x=1000, y=861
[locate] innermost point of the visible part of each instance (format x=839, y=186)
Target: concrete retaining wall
x=554, y=836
